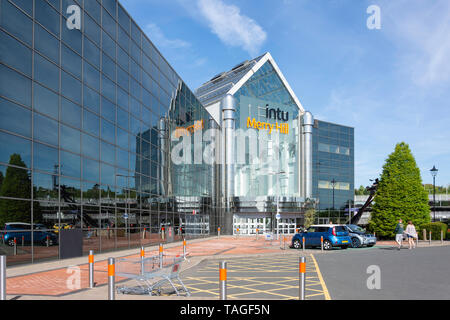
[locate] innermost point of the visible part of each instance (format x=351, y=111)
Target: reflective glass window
x=44, y=187
x=15, y=86
x=108, y=110
x=91, y=123
x=10, y=145
x=91, y=170
x=91, y=146
x=16, y=22
x=122, y=138
x=122, y=58
x=108, y=131
x=15, y=54
x=70, y=139
x=25, y=5
x=91, y=53
x=91, y=99
x=70, y=164
x=135, y=107
x=122, y=158
x=71, y=61
x=46, y=101
x=70, y=87
x=135, y=126
x=135, y=88
x=124, y=19
x=44, y=157
x=70, y=113
x=135, y=33
x=110, y=5
x=73, y=38
x=91, y=76
x=108, y=45
x=108, y=153
x=91, y=29
x=122, y=118
x=15, y=118
x=22, y=177
x=123, y=39
x=47, y=16
x=123, y=78
x=47, y=44
x=122, y=98
x=108, y=89
x=135, y=52
x=107, y=174
x=108, y=24
x=46, y=72
x=45, y=129
x=93, y=8
x=108, y=67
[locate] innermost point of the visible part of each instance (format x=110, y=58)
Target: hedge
x=435, y=228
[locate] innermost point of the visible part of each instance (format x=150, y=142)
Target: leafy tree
x=361, y=191
x=400, y=194
x=310, y=216
x=1, y=179
x=16, y=184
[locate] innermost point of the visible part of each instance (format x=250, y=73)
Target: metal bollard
x=111, y=279
x=47, y=241
x=430, y=238
x=142, y=261
x=143, y=234
x=442, y=237
x=109, y=235
x=23, y=241
x=237, y=233
x=424, y=235
x=321, y=243
x=2, y=277
x=15, y=247
x=218, y=232
x=284, y=242
x=223, y=280
x=302, y=276
x=161, y=255
x=184, y=249
x=91, y=269
x=304, y=242
x=257, y=231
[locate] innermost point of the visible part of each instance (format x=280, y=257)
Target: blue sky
x=391, y=84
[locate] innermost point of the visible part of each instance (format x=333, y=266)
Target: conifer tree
x=400, y=194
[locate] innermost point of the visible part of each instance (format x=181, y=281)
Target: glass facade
x=333, y=167
x=85, y=120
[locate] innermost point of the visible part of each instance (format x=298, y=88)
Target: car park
x=20, y=230
x=333, y=236
x=360, y=237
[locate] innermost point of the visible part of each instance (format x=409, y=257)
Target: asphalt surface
x=421, y=273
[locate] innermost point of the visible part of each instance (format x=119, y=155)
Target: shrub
x=435, y=228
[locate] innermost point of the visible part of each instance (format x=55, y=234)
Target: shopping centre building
x=98, y=131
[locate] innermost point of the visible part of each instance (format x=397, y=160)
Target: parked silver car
x=360, y=237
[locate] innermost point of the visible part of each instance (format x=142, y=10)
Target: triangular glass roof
x=242, y=78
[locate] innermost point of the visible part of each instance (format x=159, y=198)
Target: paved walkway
x=52, y=280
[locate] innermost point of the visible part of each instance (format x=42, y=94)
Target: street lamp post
x=278, y=198
x=434, y=172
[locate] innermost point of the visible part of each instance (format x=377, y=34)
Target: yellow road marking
x=319, y=274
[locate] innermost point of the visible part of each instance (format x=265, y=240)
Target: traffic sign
x=125, y=215
x=278, y=216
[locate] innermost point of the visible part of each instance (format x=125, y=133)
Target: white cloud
x=421, y=31
x=157, y=36
x=232, y=27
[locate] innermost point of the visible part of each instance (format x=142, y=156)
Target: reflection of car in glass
x=63, y=226
x=18, y=230
x=333, y=236
x=360, y=237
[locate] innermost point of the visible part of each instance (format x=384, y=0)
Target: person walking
x=411, y=234
x=399, y=229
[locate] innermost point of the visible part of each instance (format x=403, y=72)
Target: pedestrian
x=411, y=234
x=399, y=229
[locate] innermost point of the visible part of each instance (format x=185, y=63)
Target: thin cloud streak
x=233, y=28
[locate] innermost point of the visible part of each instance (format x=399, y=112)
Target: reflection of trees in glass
x=17, y=184
x=1, y=179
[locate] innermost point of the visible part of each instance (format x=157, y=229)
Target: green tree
x=400, y=194
x=16, y=184
x=310, y=216
x=361, y=191
x=1, y=180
